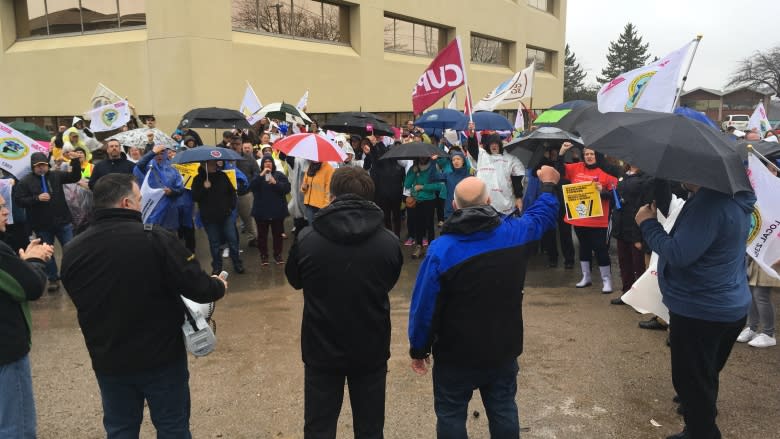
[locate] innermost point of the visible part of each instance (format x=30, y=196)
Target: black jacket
x=388, y=175
x=346, y=263
x=217, y=202
x=125, y=283
x=20, y=281
x=111, y=166
x=44, y=214
x=634, y=191
x=270, y=200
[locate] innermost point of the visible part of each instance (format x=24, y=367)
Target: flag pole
x=753, y=151
x=465, y=81
x=688, y=69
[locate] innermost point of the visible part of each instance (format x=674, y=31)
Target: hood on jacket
x=746, y=200
x=38, y=157
x=493, y=138
x=267, y=158
x=349, y=219
x=471, y=220
x=465, y=169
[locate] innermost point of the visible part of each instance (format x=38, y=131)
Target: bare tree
x=760, y=71
x=285, y=17
x=485, y=51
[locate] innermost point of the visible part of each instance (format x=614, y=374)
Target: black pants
x=324, y=393
x=423, y=220
x=593, y=239
x=699, y=350
x=550, y=242
x=188, y=235
x=391, y=207
x=439, y=209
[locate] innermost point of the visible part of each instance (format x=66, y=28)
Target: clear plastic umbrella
x=138, y=138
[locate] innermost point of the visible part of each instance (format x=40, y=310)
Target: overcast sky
x=732, y=30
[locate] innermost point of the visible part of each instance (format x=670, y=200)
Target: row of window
x=305, y=19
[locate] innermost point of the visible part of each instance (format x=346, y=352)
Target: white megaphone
x=199, y=338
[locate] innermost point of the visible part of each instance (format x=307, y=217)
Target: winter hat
x=38, y=158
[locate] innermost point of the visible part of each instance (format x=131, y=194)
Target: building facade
x=718, y=105
x=170, y=56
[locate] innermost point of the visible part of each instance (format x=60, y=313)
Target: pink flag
x=444, y=74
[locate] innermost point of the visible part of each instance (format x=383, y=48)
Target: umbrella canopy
x=530, y=149
x=690, y=113
x=137, y=138
x=355, y=122
x=566, y=118
x=286, y=112
x=770, y=150
x=410, y=151
x=30, y=130
x=442, y=119
x=310, y=146
x=205, y=154
x=668, y=146
x=213, y=117
x=487, y=120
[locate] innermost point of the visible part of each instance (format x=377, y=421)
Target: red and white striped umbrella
x=310, y=146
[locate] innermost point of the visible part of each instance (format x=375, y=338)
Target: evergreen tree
x=573, y=76
x=627, y=53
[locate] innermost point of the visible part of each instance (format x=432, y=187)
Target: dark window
x=543, y=59
x=412, y=37
x=545, y=5
x=489, y=51
x=305, y=19
x=53, y=17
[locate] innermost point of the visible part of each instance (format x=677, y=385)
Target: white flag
x=652, y=87
x=759, y=120
x=15, y=151
x=104, y=96
x=304, y=101
x=519, y=86
x=519, y=120
x=109, y=117
x=150, y=197
x=763, y=243
x=250, y=105
x=453, y=105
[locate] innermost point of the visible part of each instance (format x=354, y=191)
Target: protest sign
x=188, y=172
x=582, y=200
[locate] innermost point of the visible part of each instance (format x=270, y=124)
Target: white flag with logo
x=764, y=240
x=759, y=120
x=109, y=117
x=15, y=151
x=303, y=101
x=104, y=96
x=250, y=105
x=652, y=87
x=519, y=86
x=519, y=120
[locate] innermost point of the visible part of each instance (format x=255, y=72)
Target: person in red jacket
x=592, y=232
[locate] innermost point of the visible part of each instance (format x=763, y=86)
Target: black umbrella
x=530, y=149
x=668, y=146
x=576, y=116
x=769, y=150
x=410, y=151
x=213, y=117
x=354, y=122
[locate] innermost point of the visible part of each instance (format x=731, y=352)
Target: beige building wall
x=188, y=56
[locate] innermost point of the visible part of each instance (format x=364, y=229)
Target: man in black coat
x=116, y=163
x=21, y=279
x=125, y=280
x=346, y=263
x=41, y=193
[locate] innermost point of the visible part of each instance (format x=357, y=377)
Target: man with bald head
x=472, y=280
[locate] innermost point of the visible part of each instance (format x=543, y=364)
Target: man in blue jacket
x=472, y=280
x=702, y=275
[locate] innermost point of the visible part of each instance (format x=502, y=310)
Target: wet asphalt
x=588, y=371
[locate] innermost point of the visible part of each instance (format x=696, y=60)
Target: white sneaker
x=225, y=253
x=763, y=341
x=746, y=335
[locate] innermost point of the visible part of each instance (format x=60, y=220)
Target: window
x=543, y=59
x=704, y=104
x=489, y=51
x=53, y=17
x=412, y=38
x=545, y=5
x=304, y=19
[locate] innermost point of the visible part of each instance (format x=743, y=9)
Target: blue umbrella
x=204, y=154
x=697, y=116
x=487, y=120
x=442, y=119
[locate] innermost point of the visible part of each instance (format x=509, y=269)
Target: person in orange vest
x=316, y=188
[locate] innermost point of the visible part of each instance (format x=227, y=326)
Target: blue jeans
x=452, y=390
x=310, y=212
x=17, y=406
x=167, y=392
x=218, y=233
x=63, y=233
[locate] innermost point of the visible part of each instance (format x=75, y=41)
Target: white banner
x=519, y=86
x=758, y=120
x=652, y=87
x=150, y=197
x=519, y=120
x=109, y=117
x=15, y=151
x=303, y=101
x=250, y=105
x=764, y=240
